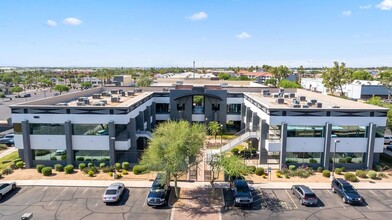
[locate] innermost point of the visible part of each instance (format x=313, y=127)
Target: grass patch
x=10, y=157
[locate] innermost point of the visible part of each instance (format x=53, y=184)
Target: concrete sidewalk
x=8, y=151
x=269, y=185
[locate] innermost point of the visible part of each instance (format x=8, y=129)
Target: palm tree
x=214, y=128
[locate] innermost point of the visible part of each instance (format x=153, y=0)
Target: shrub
x=124, y=172
x=117, y=166
x=326, y=173
x=7, y=171
x=39, y=168
x=102, y=165
x=279, y=171
x=343, y=169
x=360, y=173
x=235, y=151
x=88, y=159
x=286, y=176
x=69, y=169
x=251, y=169
x=372, y=174
x=320, y=169
x=342, y=160
x=47, y=171
x=85, y=170
x=12, y=166
x=292, y=167
x=20, y=164
x=349, y=159
x=302, y=173
x=82, y=166
x=63, y=157
x=377, y=167
x=94, y=169
x=119, y=175
x=90, y=173
x=80, y=159
x=89, y=165
x=139, y=169
x=59, y=167
x=264, y=176
x=382, y=175
x=350, y=177
x=53, y=158
x=1, y=175
x=125, y=166
x=338, y=171
x=110, y=174
x=259, y=171
x=108, y=169
x=17, y=160
x=279, y=175
x=311, y=160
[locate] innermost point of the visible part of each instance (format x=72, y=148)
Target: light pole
x=334, y=158
x=221, y=131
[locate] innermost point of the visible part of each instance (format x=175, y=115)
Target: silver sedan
x=113, y=193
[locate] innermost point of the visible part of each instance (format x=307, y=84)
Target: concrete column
x=327, y=146
x=27, y=156
x=243, y=111
x=255, y=121
x=153, y=114
x=68, y=142
x=283, y=145
x=140, y=121
x=112, y=140
x=147, y=117
x=248, y=118
x=132, y=135
x=370, y=146
x=263, y=153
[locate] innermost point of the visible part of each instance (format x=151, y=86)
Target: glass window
x=303, y=157
x=380, y=131
x=91, y=155
x=274, y=132
x=162, y=108
x=234, y=109
x=121, y=132
x=305, y=131
x=349, y=131
x=53, y=155
x=90, y=129
x=215, y=107
x=344, y=157
x=17, y=128
x=233, y=126
x=180, y=107
x=47, y=129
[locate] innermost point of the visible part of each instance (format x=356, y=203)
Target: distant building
x=259, y=77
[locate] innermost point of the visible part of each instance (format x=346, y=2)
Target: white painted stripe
x=368, y=207
x=57, y=196
x=97, y=204
x=44, y=188
x=291, y=199
x=172, y=214
x=85, y=190
x=374, y=194
x=342, y=205
x=220, y=214
x=329, y=192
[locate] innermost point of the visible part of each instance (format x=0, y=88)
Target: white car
x=6, y=188
x=113, y=192
x=387, y=140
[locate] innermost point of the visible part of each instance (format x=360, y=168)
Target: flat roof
x=114, y=100
x=328, y=102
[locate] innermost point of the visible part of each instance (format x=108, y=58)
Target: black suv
x=346, y=191
x=242, y=193
x=159, y=192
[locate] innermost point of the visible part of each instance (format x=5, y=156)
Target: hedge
x=69, y=169
x=139, y=169
x=251, y=169
x=125, y=166
x=259, y=171
x=372, y=174
x=47, y=171
x=82, y=166
x=326, y=173
x=20, y=164
x=350, y=177
x=39, y=168
x=59, y=167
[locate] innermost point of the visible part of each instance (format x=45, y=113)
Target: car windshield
x=349, y=189
x=111, y=192
x=157, y=187
x=242, y=189
x=310, y=195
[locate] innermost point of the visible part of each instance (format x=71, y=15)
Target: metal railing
x=245, y=134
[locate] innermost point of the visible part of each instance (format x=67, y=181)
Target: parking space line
x=97, y=204
x=85, y=190
x=57, y=196
x=368, y=207
x=342, y=205
x=172, y=214
x=44, y=188
x=291, y=199
x=329, y=192
x=375, y=194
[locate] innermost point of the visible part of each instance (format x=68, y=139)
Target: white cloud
x=72, y=21
x=365, y=6
x=51, y=23
x=198, y=16
x=385, y=5
x=243, y=36
x=347, y=13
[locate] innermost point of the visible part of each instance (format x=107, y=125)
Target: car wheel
x=390, y=142
x=344, y=200
x=302, y=201
x=13, y=186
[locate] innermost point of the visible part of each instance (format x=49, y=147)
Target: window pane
x=344, y=157
x=234, y=109
x=305, y=131
x=90, y=129
x=349, y=131
x=91, y=155
x=47, y=129
x=53, y=155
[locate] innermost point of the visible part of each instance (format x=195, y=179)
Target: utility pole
x=194, y=69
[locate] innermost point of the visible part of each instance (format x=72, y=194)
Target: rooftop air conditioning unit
x=305, y=106
x=286, y=95
x=115, y=99
x=295, y=101
x=104, y=101
x=138, y=90
x=96, y=96
x=314, y=101
x=114, y=91
x=335, y=106
x=292, y=95
x=319, y=105
x=131, y=93
x=280, y=101
x=302, y=98
x=123, y=93
x=296, y=106
x=84, y=99
x=99, y=104
x=62, y=104
x=80, y=103
x=275, y=95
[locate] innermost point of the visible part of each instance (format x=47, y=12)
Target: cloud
x=365, y=6
x=51, y=23
x=72, y=21
x=198, y=16
x=385, y=5
x=346, y=13
x=243, y=36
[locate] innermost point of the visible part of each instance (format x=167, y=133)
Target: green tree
x=61, y=88
x=234, y=166
x=215, y=164
x=271, y=81
x=362, y=75
x=288, y=84
x=214, y=128
x=174, y=148
x=16, y=89
x=144, y=81
x=300, y=73
x=86, y=85
x=386, y=81
x=376, y=100
x=336, y=77
x=389, y=119
x=224, y=76
x=280, y=72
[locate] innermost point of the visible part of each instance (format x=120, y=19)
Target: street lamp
x=334, y=158
x=221, y=131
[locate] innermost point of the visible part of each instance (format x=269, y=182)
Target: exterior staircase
x=244, y=136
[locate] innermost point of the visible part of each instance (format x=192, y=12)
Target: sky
x=213, y=33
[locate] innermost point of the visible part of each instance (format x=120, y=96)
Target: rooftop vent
x=115, y=99
x=292, y=95
x=305, y=106
x=309, y=103
x=302, y=98
x=335, y=106
x=319, y=105
x=295, y=101
x=131, y=93
x=296, y=106
x=104, y=101
x=96, y=96
x=314, y=101
x=280, y=101
x=85, y=100
x=99, y=104
x=123, y=93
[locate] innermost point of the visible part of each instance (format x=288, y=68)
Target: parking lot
x=78, y=203
x=282, y=204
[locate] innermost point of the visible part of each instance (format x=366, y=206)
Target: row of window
x=337, y=131
x=164, y=108
x=79, y=155
x=316, y=157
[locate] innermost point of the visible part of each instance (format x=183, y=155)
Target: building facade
x=113, y=124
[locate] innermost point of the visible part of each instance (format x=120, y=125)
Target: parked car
x=7, y=139
x=158, y=192
x=6, y=188
x=345, y=190
x=242, y=193
x=60, y=152
x=388, y=140
x=304, y=194
x=113, y=192
x=27, y=95
x=389, y=147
